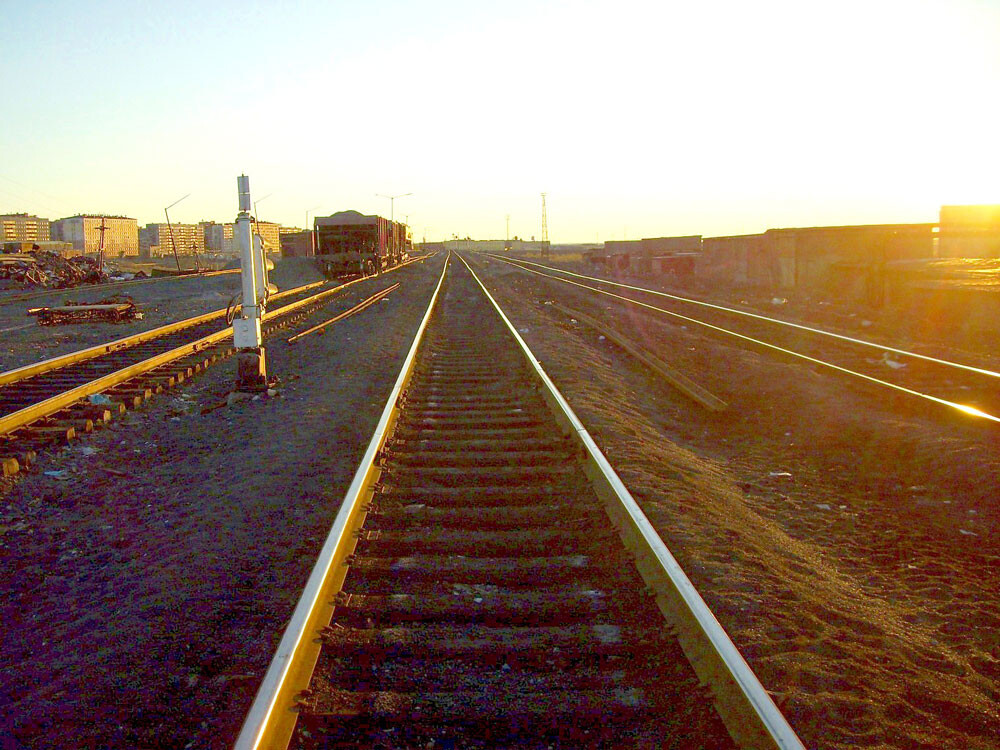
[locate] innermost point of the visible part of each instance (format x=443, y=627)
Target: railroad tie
x=488, y=601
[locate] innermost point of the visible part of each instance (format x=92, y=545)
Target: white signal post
x=251, y=362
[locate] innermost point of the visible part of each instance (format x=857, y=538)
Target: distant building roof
x=96, y=216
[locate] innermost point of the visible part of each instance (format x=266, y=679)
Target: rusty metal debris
x=43, y=269
x=115, y=309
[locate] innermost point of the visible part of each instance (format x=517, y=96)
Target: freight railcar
x=349, y=243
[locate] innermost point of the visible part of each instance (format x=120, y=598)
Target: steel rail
x=22, y=417
x=271, y=719
x=319, y=327
x=752, y=718
x=766, y=319
x=63, y=360
x=7, y=300
x=99, y=350
x=964, y=408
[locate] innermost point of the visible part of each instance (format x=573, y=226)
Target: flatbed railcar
x=349, y=243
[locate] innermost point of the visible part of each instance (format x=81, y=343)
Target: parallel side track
x=53, y=406
x=27, y=396
x=971, y=390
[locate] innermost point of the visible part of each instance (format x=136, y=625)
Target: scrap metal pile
x=42, y=269
x=115, y=309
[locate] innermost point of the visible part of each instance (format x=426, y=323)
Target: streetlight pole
x=260, y=200
x=170, y=229
x=392, y=213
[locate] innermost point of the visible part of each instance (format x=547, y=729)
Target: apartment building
x=270, y=235
x=23, y=228
x=121, y=234
x=158, y=240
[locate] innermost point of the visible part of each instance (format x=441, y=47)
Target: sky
x=637, y=119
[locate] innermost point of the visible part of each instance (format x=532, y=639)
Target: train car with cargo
x=349, y=243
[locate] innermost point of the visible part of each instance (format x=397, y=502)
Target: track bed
x=489, y=602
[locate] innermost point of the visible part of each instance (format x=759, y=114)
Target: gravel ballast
x=151, y=572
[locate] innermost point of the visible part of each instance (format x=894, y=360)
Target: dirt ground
x=849, y=547
x=24, y=342
x=141, y=611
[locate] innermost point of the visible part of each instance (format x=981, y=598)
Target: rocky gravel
x=151, y=567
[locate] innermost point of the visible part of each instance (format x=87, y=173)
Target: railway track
x=971, y=390
x=50, y=401
x=489, y=582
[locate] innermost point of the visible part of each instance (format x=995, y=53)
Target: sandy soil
x=141, y=611
x=24, y=342
x=849, y=547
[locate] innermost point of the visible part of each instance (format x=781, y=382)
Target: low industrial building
x=616, y=254
x=650, y=255
x=851, y=260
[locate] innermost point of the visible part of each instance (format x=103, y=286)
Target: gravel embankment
x=149, y=578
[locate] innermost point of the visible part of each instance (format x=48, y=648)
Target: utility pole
x=247, y=338
x=170, y=229
x=506, y=242
x=100, y=251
